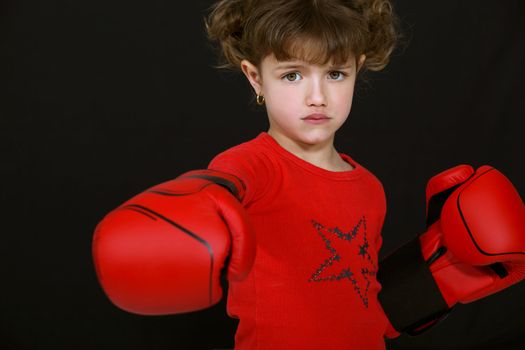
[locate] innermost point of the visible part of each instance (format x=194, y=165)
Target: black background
x=103, y=99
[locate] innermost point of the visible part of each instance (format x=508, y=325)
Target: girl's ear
x=253, y=75
x=360, y=62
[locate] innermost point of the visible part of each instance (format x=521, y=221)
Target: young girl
x=298, y=223
x=316, y=212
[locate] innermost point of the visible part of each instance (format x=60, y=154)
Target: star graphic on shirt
x=336, y=267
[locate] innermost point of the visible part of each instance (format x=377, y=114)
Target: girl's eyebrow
x=348, y=66
x=289, y=66
x=297, y=65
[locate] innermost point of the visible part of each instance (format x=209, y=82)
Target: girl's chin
x=315, y=138
x=308, y=136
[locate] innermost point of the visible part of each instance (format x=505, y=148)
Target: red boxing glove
x=162, y=252
x=474, y=247
x=482, y=228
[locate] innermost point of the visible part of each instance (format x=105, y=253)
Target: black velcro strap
x=409, y=296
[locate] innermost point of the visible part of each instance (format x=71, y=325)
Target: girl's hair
x=315, y=31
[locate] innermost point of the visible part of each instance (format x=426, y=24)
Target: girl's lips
x=316, y=118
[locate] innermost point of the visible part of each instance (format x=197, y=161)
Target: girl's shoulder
x=252, y=154
x=250, y=162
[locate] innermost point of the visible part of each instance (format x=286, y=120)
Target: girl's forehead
x=313, y=50
x=294, y=61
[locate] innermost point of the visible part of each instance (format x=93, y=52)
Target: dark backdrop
x=103, y=99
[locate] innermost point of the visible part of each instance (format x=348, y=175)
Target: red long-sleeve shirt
x=313, y=284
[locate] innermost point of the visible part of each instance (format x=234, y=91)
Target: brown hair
x=315, y=31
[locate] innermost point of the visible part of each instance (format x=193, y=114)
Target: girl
x=297, y=222
x=317, y=213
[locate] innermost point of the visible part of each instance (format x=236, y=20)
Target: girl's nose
x=316, y=94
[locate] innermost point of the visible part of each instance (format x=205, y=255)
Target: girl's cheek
x=290, y=93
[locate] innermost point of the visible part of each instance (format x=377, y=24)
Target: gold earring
x=259, y=99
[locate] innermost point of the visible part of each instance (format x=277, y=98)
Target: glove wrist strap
x=409, y=296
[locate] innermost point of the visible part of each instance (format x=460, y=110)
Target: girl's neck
x=323, y=155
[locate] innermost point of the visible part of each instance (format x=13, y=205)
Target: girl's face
x=306, y=103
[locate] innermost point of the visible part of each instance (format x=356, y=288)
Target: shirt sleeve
x=250, y=168
x=382, y=208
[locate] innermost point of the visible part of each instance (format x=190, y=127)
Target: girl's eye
x=292, y=76
x=336, y=75
x=295, y=76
